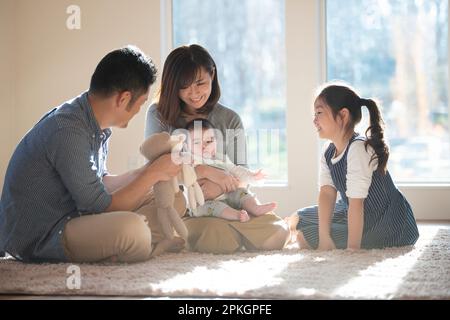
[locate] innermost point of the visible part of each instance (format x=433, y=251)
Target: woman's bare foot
x=292, y=222
x=168, y=245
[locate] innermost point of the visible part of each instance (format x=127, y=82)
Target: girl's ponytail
x=376, y=137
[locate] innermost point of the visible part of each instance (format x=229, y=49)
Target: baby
x=236, y=205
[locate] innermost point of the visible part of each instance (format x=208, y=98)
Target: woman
x=189, y=90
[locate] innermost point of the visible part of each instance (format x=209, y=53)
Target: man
x=59, y=203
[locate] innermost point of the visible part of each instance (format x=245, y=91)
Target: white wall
x=7, y=74
x=55, y=64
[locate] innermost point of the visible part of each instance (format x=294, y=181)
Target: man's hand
x=164, y=167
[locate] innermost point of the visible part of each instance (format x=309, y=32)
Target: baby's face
x=203, y=144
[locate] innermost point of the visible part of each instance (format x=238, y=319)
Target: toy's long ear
x=199, y=194
x=177, y=142
x=192, y=197
x=181, y=137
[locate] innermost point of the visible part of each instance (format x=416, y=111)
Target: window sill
x=423, y=185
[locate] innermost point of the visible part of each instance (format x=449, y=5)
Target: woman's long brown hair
x=180, y=70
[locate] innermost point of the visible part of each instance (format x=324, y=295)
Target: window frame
x=306, y=36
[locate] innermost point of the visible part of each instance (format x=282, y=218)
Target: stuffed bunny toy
x=153, y=147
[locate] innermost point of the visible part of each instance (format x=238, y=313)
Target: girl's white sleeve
x=359, y=170
x=325, y=175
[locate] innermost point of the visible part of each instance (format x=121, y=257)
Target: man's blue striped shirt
x=54, y=175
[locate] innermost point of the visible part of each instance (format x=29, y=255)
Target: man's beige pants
x=128, y=236
x=121, y=236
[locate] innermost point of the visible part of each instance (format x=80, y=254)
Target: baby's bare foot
x=264, y=208
x=243, y=216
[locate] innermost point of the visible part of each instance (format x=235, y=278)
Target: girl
x=372, y=212
x=190, y=90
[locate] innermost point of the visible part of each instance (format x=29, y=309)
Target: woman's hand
x=210, y=189
x=326, y=243
x=226, y=181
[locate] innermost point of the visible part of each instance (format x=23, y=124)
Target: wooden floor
x=445, y=223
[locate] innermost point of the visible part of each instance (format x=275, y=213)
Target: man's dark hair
x=124, y=69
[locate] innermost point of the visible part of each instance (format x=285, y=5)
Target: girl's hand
x=326, y=243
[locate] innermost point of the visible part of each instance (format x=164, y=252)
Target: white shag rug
x=419, y=272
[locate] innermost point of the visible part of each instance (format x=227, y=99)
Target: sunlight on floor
x=306, y=291
x=235, y=275
x=367, y=283
x=421, y=272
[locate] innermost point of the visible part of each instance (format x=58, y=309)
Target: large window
x=247, y=40
x=397, y=51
